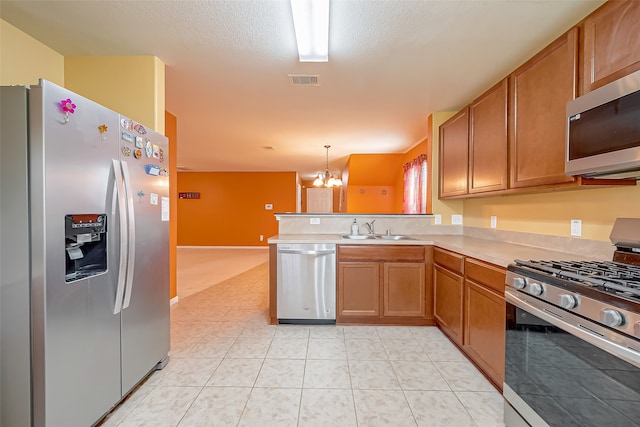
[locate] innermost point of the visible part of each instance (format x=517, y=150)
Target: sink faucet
x=369, y=226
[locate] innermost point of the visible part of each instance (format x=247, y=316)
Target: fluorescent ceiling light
x=311, y=22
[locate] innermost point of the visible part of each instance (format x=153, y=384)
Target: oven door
x=563, y=370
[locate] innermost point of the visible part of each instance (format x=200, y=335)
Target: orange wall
x=230, y=211
x=171, y=131
x=369, y=175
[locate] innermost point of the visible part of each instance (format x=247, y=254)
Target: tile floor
x=229, y=367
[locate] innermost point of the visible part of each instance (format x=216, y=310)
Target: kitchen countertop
x=491, y=251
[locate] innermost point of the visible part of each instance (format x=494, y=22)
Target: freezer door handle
x=122, y=213
x=132, y=235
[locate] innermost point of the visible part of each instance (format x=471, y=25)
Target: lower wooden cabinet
x=470, y=309
x=383, y=285
x=484, y=329
x=448, y=311
x=358, y=289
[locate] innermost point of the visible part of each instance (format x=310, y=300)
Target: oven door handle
x=574, y=325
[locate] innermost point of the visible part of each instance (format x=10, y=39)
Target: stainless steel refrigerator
x=84, y=302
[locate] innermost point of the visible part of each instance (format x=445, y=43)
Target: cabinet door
x=454, y=155
x=611, y=45
x=488, y=140
x=403, y=289
x=448, y=302
x=484, y=329
x=358, y=289
x=540, y=90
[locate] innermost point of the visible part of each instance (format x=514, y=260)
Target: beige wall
x=24, y=60
x=131, y=85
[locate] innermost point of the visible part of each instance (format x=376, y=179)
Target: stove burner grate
x=623, y=279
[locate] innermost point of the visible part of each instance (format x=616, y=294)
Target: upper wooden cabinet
x=488, y=140
x=454, y=155
x=540, y=90
x=611, y=43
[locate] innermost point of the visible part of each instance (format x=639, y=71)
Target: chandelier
x=327, y=179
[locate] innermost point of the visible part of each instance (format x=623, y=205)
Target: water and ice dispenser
x=85, y=245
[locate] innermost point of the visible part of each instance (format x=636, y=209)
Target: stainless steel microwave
x=603, y=131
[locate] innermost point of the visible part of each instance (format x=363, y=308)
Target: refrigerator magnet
x=152, y=169
x=161, y=156
x=125, y=123
x=126, y=136
x=138, y=153
x=140, y=129
x=139, y=142
x=148, y=149
x=156, y=152
x=126, y=150
x=153, y=198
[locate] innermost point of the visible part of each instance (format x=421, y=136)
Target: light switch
x=268, y=207
x=494, y=221
x=437, y=219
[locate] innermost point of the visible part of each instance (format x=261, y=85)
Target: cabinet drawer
x=449, y=260
x=489, y=275
x=391, y=253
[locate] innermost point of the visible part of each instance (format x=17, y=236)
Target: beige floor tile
x=125, y=408
x=382, y=408
x=485, y=407
x=326, y=349
x=288, y=348
x=326, y=332
x=249, y=348
x=404, y=350
x=373, y=374
x=438, y=408
x=463, y=376
x=395, y=332
x=193, y=371
x=327, y=374
x=236, y=373
x=369, y=332
x=273, y=407
x=427, y=333
x=442, y=351
x=365, y=349
x=162, y=407
x=323, y=408
x=217, y=407
x=418, y=375
x=226, y=329
x=281, y=373
x=211, y=347
x=258, y=330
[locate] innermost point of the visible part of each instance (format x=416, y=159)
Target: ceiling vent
x=304, y=79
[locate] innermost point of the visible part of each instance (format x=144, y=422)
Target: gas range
x=606, y=292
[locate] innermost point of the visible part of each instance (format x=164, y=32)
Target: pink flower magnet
x=68, y=106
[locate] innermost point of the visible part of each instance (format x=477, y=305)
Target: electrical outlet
x=261, y=237
x=494, y=221
x=437, y=219
x=314, y=221
x=576, y=227
x=456, y=219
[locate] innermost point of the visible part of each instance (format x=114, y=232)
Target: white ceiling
x=391, y=64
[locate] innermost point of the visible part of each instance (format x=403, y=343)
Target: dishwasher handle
x=302, y=252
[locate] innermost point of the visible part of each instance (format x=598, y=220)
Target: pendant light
x=327, y=180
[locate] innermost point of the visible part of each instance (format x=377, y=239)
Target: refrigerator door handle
x=132, y=235
x=122, y=213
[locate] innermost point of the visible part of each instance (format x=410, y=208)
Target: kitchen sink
x=395, y=237
x=377, y=236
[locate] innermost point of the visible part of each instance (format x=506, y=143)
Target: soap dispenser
x=354, y=228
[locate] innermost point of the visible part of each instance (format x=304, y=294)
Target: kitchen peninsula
x=446, y=275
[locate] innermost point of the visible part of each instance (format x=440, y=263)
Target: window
x=415, y=186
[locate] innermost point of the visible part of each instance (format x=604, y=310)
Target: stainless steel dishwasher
x=306, y=283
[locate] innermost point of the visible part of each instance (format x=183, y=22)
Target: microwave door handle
x=122, y=215
x=132, y=235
